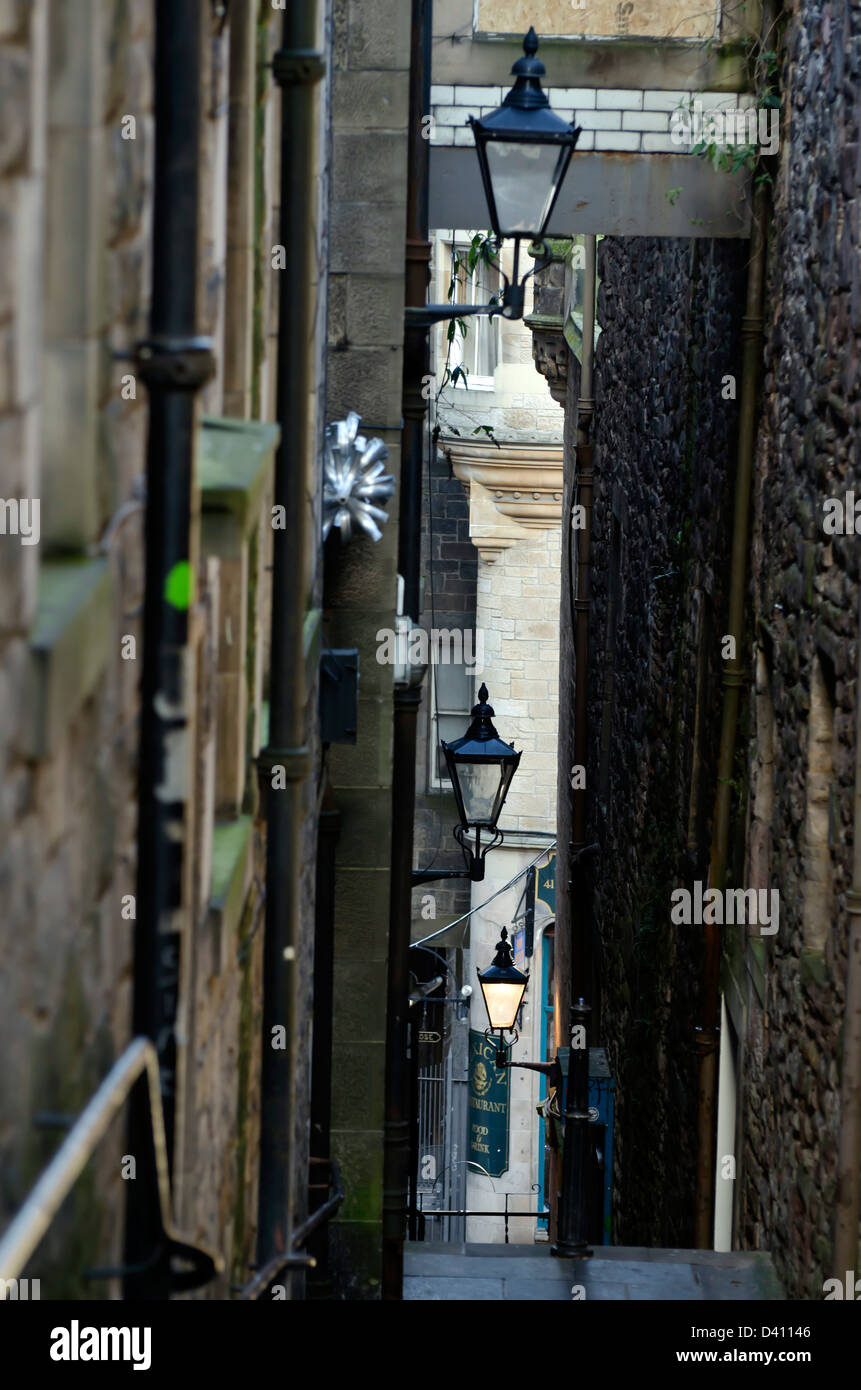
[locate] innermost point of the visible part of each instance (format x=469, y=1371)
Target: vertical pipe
x=396, y=1150
x=580, y=945
x=566, y=936
x=173, y=364
x=239, y=263
x=321, y=1048
x=396, y=1147
x=846, y=1256
x=573, y=971
x=297, y=67
x=414, y=1124
x=707, y=1032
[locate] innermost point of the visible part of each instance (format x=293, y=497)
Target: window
x=477, y=352
x=450, y=707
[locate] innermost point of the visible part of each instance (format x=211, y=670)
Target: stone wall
x=367, y=212
x=665, y=464
x=789, y=991
x=669, y=315
x=73, y=284
x=628, y=119
x=75, y=236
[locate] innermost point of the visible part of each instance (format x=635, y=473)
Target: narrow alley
x=430, y=773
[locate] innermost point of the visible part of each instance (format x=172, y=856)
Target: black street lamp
x=481, y=767
x=503, y=987
x=524, y=150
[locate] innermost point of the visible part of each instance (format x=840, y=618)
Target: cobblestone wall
x=804, y=590
x=664, y=462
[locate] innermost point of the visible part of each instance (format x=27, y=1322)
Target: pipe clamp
x=298, y=67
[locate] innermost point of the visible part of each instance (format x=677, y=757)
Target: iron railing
x=28, y=1227
x=425, y=1214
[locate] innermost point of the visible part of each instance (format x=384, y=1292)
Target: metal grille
x=442, y=1103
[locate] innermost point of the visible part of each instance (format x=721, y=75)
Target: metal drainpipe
x=239, y=251
x=849, y=1150
x=396, y=1150
x=707, y=1034
x=173, y=363
x=329, y=827
x=571, y=1218
x=297, y=67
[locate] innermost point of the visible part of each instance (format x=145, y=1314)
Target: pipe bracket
x=296, y=762
x=706, y=1042
x=175, y=363
x=853, y=902
x=298, y=67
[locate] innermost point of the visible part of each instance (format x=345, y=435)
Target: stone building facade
x=74, y=238
x=367, y=212
x=491, y=572
x=76, y=169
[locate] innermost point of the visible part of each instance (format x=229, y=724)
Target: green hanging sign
x=488, y=1108
x=545, y=883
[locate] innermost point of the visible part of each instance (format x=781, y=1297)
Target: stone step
x=436, y=1271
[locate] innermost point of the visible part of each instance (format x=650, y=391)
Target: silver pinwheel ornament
x=355, y=484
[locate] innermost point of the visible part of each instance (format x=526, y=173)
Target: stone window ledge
x=231, y=876
x=69, y=647
x=236, y=458
x=235, y=471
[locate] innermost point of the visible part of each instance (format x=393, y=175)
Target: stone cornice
x=523, y=482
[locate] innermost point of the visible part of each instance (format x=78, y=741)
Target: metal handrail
x=28, y=1227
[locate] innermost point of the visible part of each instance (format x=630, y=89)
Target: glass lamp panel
x=502, y=1000
x=506, y=774
x=523, y=178
x=479, y=787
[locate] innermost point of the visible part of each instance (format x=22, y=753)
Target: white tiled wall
x=610, y=118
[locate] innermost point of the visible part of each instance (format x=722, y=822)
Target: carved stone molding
x=549, y=348
x=513, y=489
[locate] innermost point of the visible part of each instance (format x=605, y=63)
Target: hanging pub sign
x=488, y=1108
x=545, y=884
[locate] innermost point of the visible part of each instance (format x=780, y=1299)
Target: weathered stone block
x=379, y=38
x=370, y=100
x=375, y=310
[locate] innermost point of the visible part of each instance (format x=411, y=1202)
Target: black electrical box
x=339, y=695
